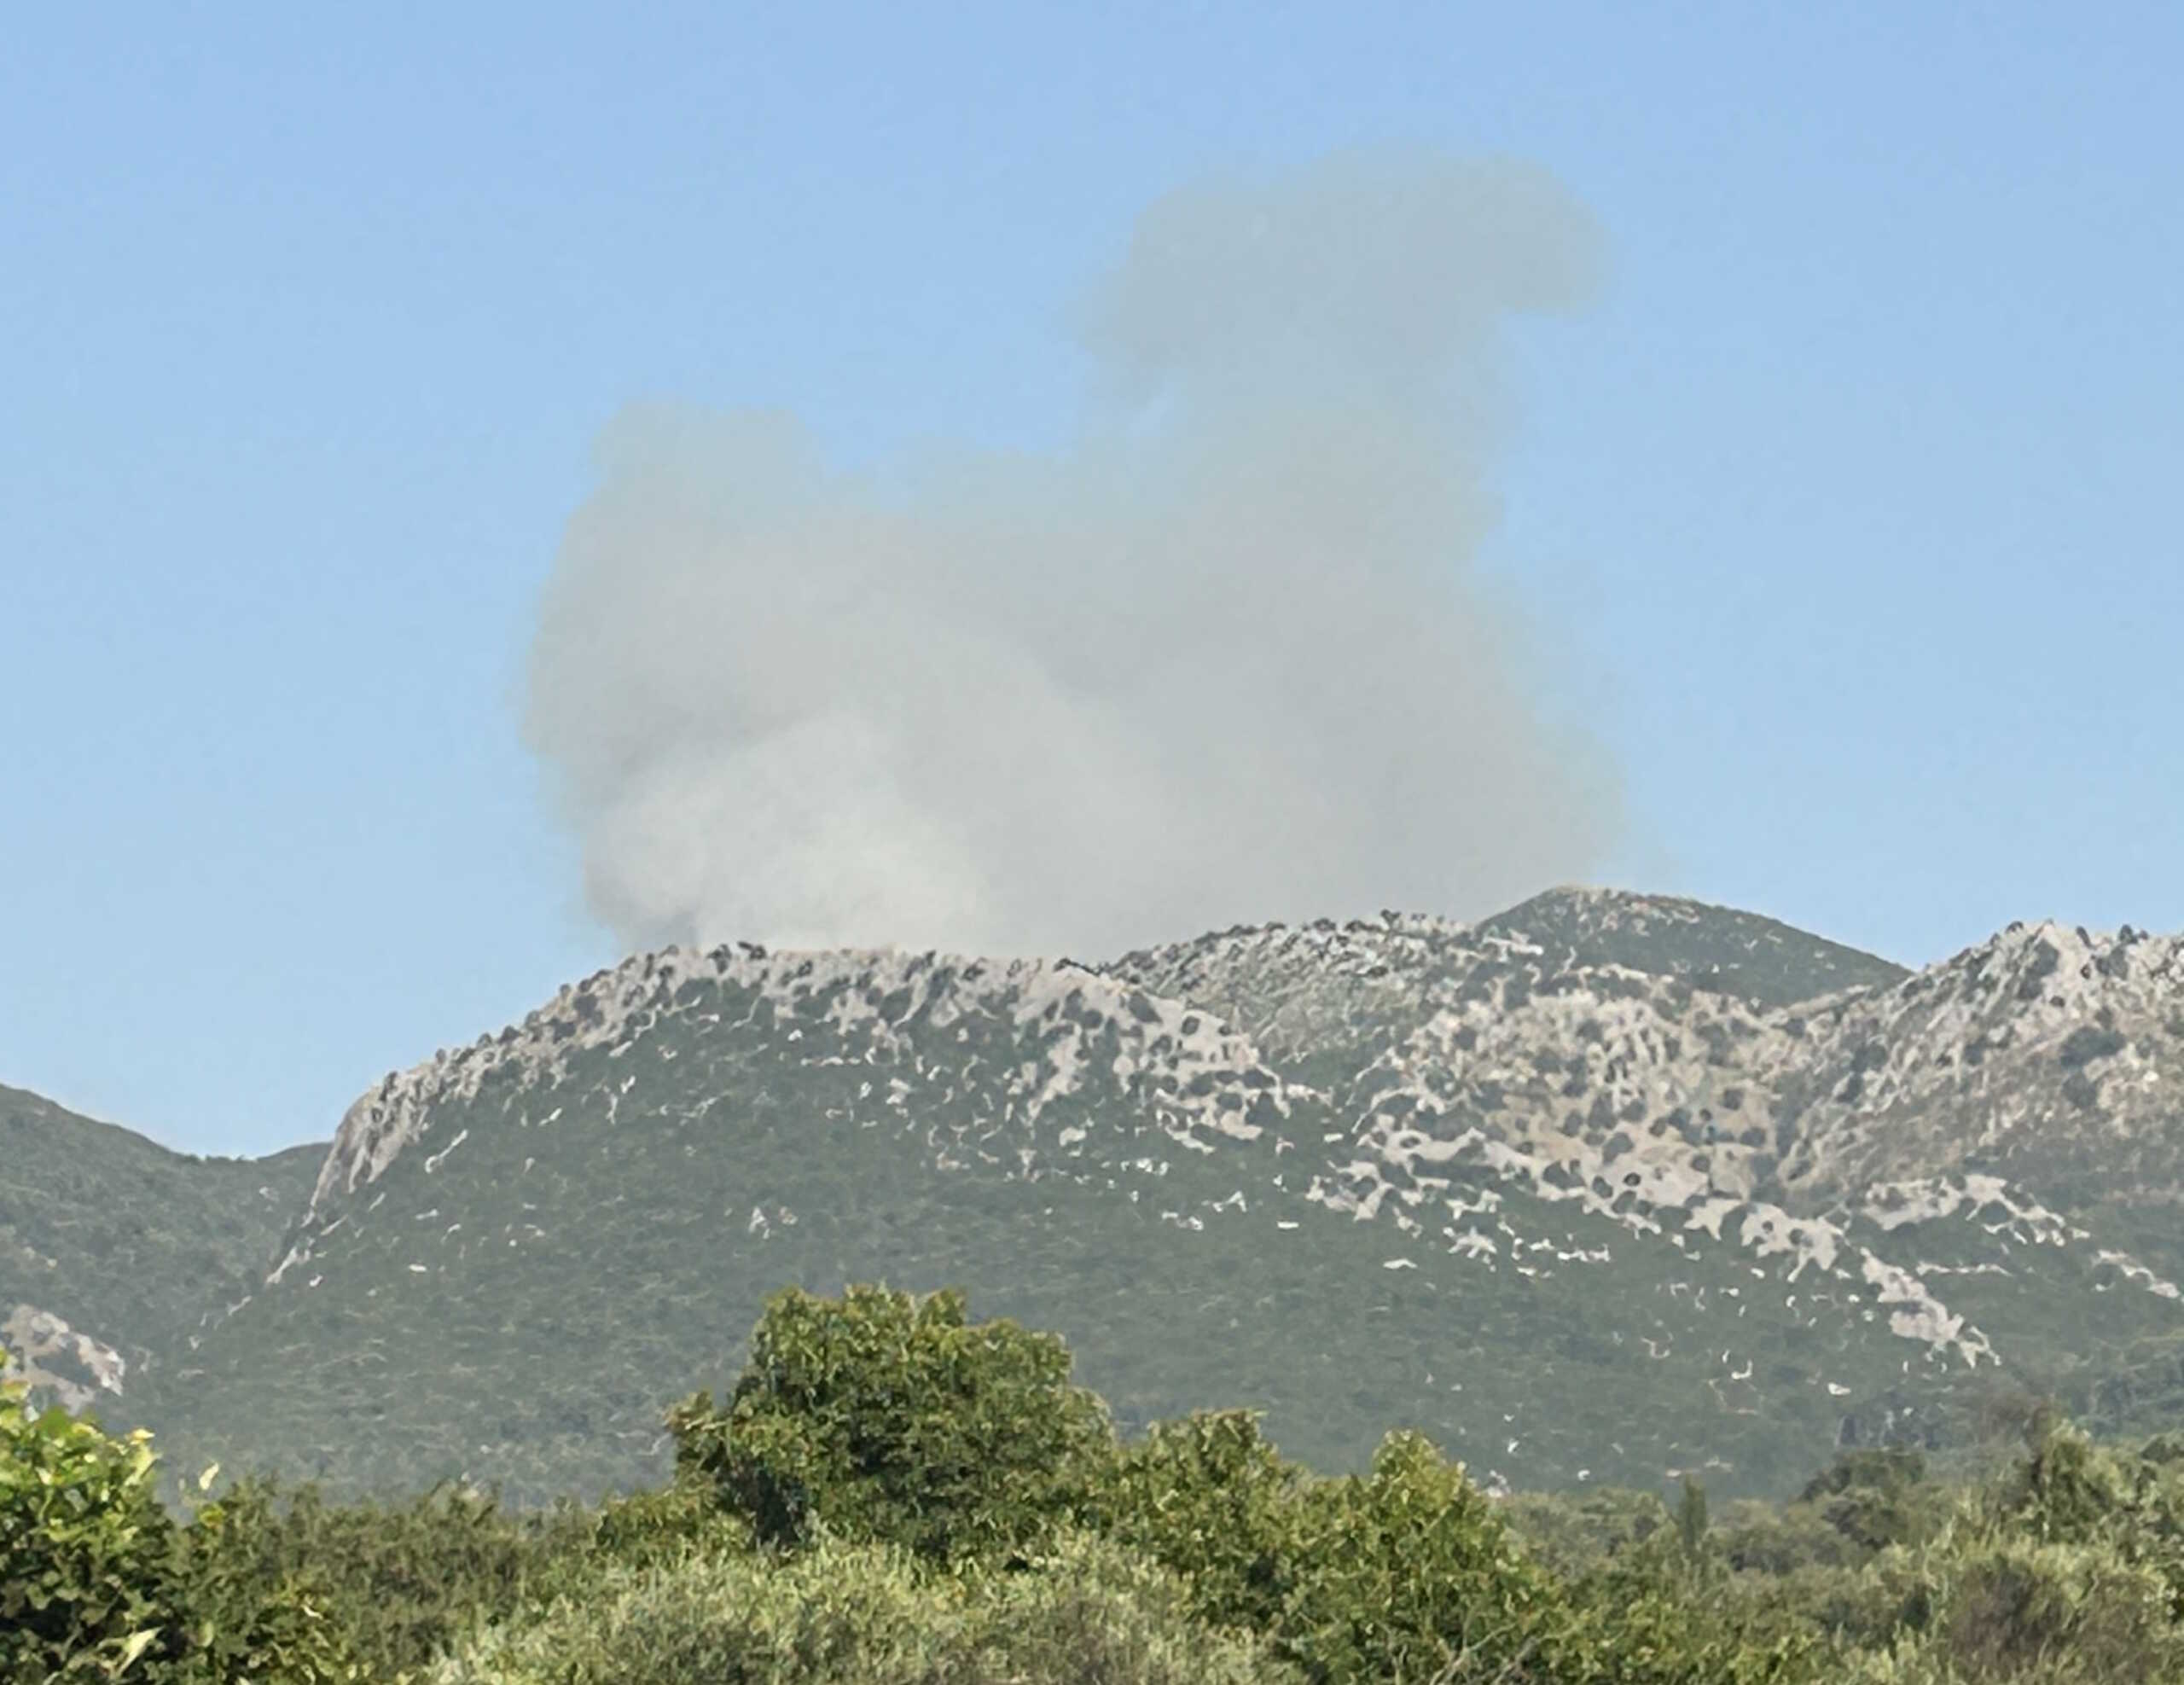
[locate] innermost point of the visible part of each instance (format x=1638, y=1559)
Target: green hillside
x=1587, y=1192
x=133, y=1246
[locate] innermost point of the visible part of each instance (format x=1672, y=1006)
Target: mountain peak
x=1604, y=1185
x=1758, y=959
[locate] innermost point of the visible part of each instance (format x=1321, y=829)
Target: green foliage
x=834, y=1614
x=1409, y=1573
x=894, y=1419
x=661, y=1525
x=1874, y=1498
x=1997, y=1607
x=1778, y=1539
x=1661, y=1613
x=97, y=1583
x=879, y=1419
x=895, y=1494
x=2063, y=1570
x=1575, y=1534
x=84, y=1547
x=1691, y=1518
x=828, y=1612
x=1092, y=1612
x=242, y=1619
x=1208, y=1498
x=402, y=1581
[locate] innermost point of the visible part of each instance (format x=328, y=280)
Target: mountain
x=114, y=1251
x=1602, y=1189
x=1759, y=960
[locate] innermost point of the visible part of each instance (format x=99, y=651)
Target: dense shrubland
x=893, y=1494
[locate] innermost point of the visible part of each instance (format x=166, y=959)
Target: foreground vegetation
x=892, y=1494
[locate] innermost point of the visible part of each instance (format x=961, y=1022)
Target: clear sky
x=1855, y=496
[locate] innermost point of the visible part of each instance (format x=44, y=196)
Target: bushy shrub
x=1667, y=1611
x=84, y=1546
x=1083, y=1613
x=1576, y=1533
x=403, y=1580
x=1209, y=1498
x=2002, y=1608
x=1877, y=1497
x=1840, y=1608
x=1861, y=1504
x=1409, y=1573
x=829, y=1612
x=2065, y=1571
x=246, y=1620
x=1090, y=1612
x=97, y=1582
x=882, y=1420
x=896, y=1497
x=895, y=1420
x=1755, y=1537
x=645, y=1527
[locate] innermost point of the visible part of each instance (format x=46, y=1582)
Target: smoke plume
x=1226, y=658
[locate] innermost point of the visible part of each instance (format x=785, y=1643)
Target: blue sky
x=1854, y=498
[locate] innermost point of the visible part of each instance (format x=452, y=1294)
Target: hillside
x=1602, y=1189
x=1761, y=960
x=115, y=1252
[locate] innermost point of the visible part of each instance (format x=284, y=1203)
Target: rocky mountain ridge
x=1605, y=1188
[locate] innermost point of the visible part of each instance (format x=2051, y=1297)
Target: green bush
x=893, y=1494
x=84, y=1547
x=1877, y=1498
x=1839, y=1608
x=1666, y=1611
x=97, y=1582
x=1208, y=1498
x=643, y=1528
x=2012, y=1609
x=894, y=1420
x=244, y=1621
x=1409, y=1573
x=1092, y=1612
x=1083, y=1613
x=1573, y=1534
x=402, y=1580
x=827, y=1613
x=879, y=1419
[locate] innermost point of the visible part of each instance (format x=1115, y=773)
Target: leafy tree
x=97, y=1582
x=1408, y=1573
x=1984, y=1606
x=1875, y=1497
x=84, y=1546
x=401, y=1580
x=895, y=1419
x=1580, y=1533
x=1208, y=1498
x=1691, y=1519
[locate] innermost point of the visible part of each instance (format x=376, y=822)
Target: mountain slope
x=1604, y=1188
x=114, y=1250
x=1759, y=960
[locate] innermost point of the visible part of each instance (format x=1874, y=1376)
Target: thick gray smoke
x=1226, y=659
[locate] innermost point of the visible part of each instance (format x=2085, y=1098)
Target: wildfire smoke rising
x=1228, y=657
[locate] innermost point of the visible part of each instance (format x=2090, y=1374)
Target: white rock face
x=2049, y=1047
x=1199, y=1081
x=40, y=1347
x=1418, y=1072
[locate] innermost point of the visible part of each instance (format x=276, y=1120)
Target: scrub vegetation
x=894, y=1493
